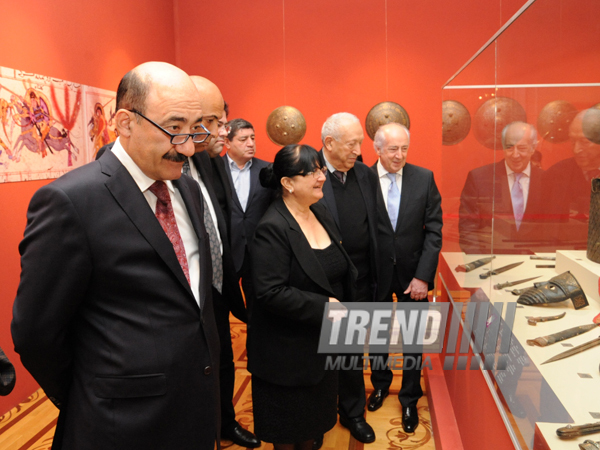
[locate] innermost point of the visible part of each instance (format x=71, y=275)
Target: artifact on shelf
x=571, y=431
x=545, y=266
x=593, y=242
x=385, y=112
x=553, y=338
x=499, y=270
x=513, y=283
x=456, y=122
x=474, y=265
x=534, y=320
x=558, y=289
x=574, y=351
x=588, y=444
x=286, y=125
x=543, y=258
x=518, y=291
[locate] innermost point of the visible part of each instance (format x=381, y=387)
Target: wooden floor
x=30, y=426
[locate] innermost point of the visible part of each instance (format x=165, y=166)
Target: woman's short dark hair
x=291, y=160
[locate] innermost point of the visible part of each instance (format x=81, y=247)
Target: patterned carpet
x=30, y=426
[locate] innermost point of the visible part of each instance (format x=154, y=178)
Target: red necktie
x=166, y=218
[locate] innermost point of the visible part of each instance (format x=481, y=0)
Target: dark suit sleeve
x=55, y=269
x=433, y=235
x=272, y=266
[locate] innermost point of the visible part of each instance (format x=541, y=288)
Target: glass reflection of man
x=568, y=184
x=509, y=191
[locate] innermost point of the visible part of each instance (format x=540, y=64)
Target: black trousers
x=411, y=390
x=227, y=366
x=351, y=394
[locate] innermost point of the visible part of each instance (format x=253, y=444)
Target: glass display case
x=521, y=137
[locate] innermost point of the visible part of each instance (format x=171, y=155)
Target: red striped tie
x=166, y=218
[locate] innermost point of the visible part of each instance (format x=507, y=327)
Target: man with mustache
x=113, y=315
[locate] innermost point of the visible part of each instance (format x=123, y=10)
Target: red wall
x=335, y=60
x=88, y=42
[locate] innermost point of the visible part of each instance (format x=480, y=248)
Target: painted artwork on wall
x=49, y=126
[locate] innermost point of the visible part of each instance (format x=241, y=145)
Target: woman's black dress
x=290, y=414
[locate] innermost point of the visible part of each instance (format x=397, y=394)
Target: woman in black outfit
x=299, y=266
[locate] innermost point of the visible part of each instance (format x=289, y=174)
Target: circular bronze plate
x=286, y=125
x=491, y=118
x=385, y=112
x=456, y=122
x=554, y=120
x=591, y=124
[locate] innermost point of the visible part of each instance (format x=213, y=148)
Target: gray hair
x=533, y=137
x=379, y=139
x=332, y=125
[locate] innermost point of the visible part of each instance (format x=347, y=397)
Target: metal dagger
x=571, y=431
x=534, y=320
x=489, y=273
x=474, y=264
x=575, y=350
x=513, y=283
x=561, y=335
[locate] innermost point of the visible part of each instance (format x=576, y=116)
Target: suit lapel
x=193, y=205
x=254, y=169
x=381, y=201
x=328, y=197
x=302, y=250
x=405, y=195
x=134, y=204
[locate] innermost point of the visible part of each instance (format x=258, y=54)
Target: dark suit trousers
x=247, y=284
x=411, y=390
x=227, y=366
x=352, y=399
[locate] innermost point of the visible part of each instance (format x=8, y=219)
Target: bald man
x=226, y=292
x=568, y=184
x=508, y=195
x=113, y=315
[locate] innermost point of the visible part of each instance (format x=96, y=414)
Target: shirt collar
x=526, y=172
x=233, y=164
x=140, y=178
x=382, y=172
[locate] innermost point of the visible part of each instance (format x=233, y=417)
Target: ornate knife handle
x=571, y=431
x=588, y=444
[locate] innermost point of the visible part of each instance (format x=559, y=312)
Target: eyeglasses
x=181, y=138
x=315, y=173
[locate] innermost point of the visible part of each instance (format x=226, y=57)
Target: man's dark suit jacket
x=486, y=196
x=412, y=250
x=231, y=286
x=291, y=290
x=243, y=223
x=222, y=181
x=567, y=198
x=368, y=184
x=106, y=322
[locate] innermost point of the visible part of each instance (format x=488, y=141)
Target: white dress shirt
x=385, y=182
x=241, y=180
x=186, y=230
x=524, y=181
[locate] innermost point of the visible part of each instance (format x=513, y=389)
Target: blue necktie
x=518, y=201
x=393, y=200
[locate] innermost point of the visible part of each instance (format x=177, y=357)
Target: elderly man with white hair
x=409, y=241
x=350, y=194
x=507, y=194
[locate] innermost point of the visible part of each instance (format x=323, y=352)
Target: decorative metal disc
x=554, y=121
x=491, y=118
x=385, y=112
x=456, y=122
x=591, y=124
x=286, y=125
